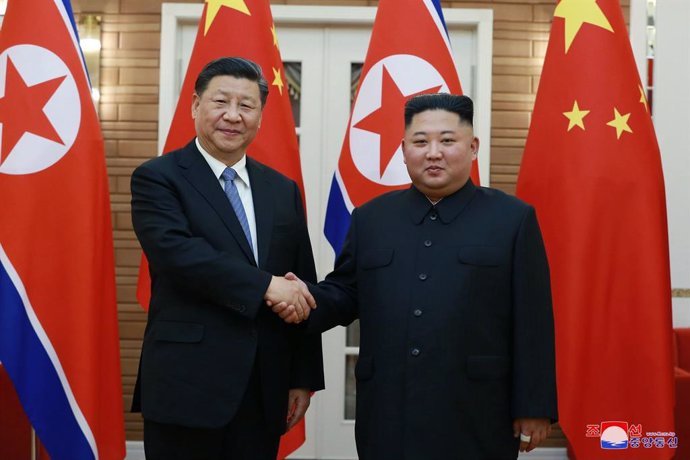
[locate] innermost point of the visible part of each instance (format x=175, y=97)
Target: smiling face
x=439, y=150
x=227, y=115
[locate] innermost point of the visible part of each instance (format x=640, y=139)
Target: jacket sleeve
x=163, y=229
x=534, y=375
x=336, y=296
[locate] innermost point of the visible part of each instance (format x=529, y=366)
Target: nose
x=232, y=113
x=434, y=151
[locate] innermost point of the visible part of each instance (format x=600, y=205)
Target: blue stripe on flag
x=70, y=14
x=337, y=218
x=437, y=5
x=64, y=8
x=36, y=380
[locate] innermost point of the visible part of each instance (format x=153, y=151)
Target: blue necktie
x=231, y=192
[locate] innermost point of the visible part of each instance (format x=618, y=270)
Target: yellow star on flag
x=576, y=117
x=213, y=6
x=620, y=122
x=577, y=12
x=278, y=80
x=643, y=98
x=275, y=35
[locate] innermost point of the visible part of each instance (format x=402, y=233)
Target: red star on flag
x=391, y=112
x=21, y=109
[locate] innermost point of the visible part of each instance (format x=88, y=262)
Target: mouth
x=230, y=132
x=434, y=169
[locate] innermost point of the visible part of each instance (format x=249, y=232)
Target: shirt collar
x=218, y=166
x=447, y=209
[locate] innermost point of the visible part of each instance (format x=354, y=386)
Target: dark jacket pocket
x=488, y=256
x=377, y=258
x=487, y=367
x=178, y=331
x=364, y=369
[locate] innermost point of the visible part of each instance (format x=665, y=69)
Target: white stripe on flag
x=68, y=24
x=50, y=351
x=439, y=25
x=343, y=191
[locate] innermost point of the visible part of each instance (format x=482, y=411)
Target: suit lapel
x=263, y=208
x=199, y=174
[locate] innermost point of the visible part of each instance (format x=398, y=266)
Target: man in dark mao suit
x=220, y=373
x=450, y=283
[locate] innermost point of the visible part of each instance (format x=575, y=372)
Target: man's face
x=227, y=116
x=439, y=150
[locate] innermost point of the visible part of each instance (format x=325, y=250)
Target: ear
x=402, y=144
x=196, y=100
x=474, y=147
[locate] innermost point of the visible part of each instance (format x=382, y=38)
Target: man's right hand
x=289, y=298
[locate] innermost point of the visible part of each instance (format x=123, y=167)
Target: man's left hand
x=298, y=402
x=533, y=431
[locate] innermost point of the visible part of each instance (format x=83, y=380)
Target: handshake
x=289, y=298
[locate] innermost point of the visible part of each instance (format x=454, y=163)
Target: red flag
x=276, y=143
x=593, y=171
x=397, y=67
x=58, y=315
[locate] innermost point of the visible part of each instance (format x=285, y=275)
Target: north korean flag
x=409, y=54
x=58, y=316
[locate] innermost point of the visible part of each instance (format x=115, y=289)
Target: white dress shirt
x=243, y=185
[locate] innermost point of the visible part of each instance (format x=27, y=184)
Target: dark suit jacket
x=456, y=335
x=208, y=324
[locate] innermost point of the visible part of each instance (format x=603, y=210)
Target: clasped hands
x=289, y=298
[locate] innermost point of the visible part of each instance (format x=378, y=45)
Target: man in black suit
x=219, y=372
x=450, y=283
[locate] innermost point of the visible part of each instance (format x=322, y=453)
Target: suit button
x=427, y=243
x=417, y=313
x=422, y=276
x=415, y=352
x=433, y=216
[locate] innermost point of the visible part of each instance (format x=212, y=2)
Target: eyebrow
x=231, y=93
x=423, y=133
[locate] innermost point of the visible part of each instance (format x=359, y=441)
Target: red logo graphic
x=593, y=431
x=614, y=435
x=635, y=430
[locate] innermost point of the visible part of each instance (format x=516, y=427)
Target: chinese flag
x=241, y=28
x=59, y=339
x=592, y=169
x=397, y=67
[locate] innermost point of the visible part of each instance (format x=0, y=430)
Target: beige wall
x=129, y=109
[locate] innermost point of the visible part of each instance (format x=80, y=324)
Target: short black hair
x=461, y=105
x=234, y=67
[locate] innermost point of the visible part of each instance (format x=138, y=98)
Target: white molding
x=671, y=110
x=172, y=16
x=483, y=81
x=638, y=36
x=135, y=450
